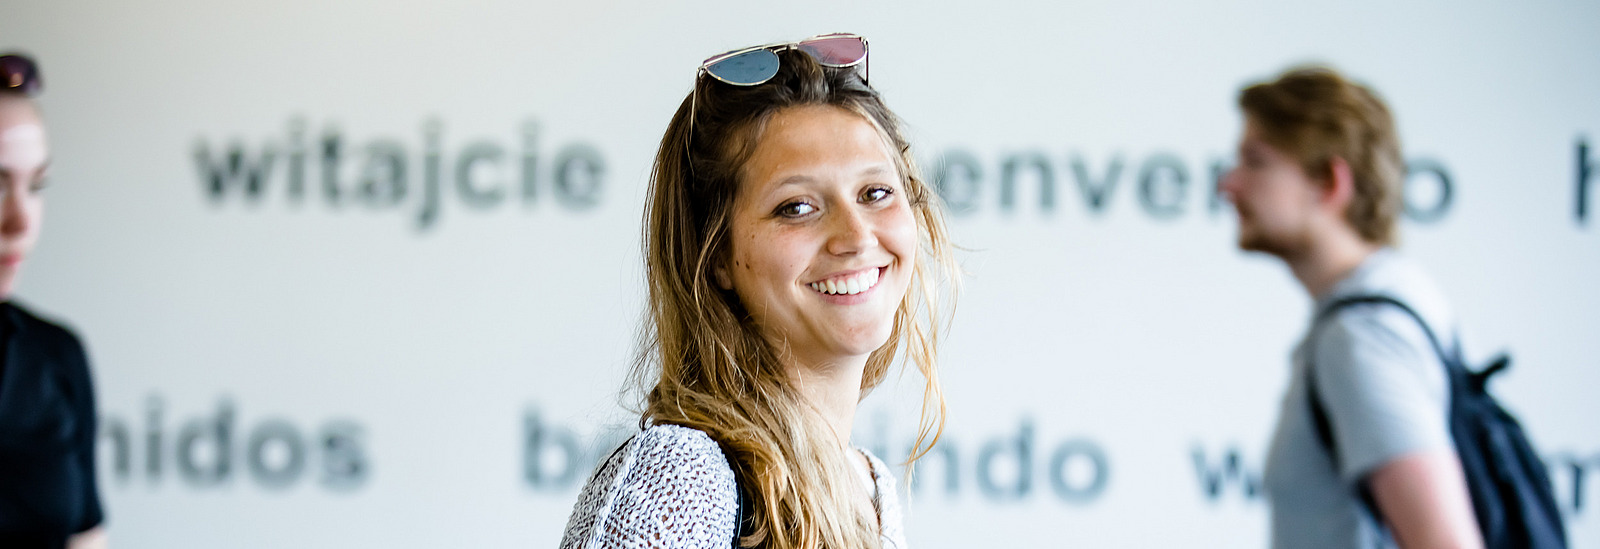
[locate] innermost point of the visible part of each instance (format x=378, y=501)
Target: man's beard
x=1284, y=245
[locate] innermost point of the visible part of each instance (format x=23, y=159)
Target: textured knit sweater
x=671, y=486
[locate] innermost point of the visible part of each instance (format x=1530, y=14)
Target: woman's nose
x=850, y=232
x=14, y=219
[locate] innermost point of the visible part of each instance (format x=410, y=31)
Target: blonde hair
x=704, y=365
x=1314, y=114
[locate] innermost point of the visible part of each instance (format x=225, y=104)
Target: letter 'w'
x=1214, y=479
x=233, y=170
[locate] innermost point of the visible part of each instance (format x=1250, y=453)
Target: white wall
x=421, y=367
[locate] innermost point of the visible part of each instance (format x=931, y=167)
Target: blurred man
x=1318, y=185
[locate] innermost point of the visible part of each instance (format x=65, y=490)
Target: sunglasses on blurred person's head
x=19, y=73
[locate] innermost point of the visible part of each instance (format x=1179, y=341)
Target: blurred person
x=792, y=253
x=48, y=496
x=1318, y=185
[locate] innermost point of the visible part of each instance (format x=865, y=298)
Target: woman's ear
x=720, y=273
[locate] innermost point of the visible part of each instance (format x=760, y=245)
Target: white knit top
x=671, y=486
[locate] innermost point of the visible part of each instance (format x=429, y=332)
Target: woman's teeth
x=848, y=285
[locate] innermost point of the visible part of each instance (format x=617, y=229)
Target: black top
x=47, y=433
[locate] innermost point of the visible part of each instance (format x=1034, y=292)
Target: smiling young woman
x=793, y=255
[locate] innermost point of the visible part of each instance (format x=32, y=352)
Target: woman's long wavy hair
x=704, y=364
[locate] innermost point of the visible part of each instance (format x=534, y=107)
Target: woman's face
x=823, y=239
x=24, y=158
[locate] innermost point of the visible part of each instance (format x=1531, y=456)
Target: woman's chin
x=865, y=341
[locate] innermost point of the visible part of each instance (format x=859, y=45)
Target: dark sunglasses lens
x=746, y=69
x=18, y=73
x=840, y=51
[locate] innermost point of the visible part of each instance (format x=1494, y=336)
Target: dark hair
x=19, y=75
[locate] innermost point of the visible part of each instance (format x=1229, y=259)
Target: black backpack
x=1510, y=487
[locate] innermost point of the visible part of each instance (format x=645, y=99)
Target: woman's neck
x=833, y=387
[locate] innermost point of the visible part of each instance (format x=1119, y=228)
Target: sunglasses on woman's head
x=757, y=64
x=18, y=73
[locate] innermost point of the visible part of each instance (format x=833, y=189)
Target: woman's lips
x=849, y=284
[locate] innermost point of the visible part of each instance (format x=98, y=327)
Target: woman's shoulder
x=668, y=482
x=683, y=461
x=878, y=466
x=51, y=333
x=674, y=443
x=44, y=345
x=882, y=474
x=891, y=518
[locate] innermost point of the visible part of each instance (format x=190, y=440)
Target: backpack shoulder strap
x=1455, y=372
x=1319, y=414
x=1345, y=302
x=743, y=513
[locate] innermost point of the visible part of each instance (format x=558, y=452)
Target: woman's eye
x=875, y=194
x=39, y=184
x=795, y=209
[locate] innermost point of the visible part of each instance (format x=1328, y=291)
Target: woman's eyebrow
x=806, y=179
x=880, y=169
x=796, y=179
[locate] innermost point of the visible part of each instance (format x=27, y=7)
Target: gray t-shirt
x=1385, y=393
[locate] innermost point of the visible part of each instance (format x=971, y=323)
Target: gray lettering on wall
x=1081, y=487
x=1006, y=468
x=344, y=458
x=1095, y=191
x=1225, y=473
x=1573, y=476
x=956, y=177
x=1419, y=172
x=386, y=174
x=275, y=453
x=1017, y=450
x=1584, y=178
x=213, y=433
x=553, y=457
x=479, y=177
x=215, y=447
x=383, y=179
x=282, y=469
x=1163, y=186
x=579, y=171
x=236, y=172
x=542, y=442
x=1161, y=182
x=1036, y=163
x=1218, y=200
